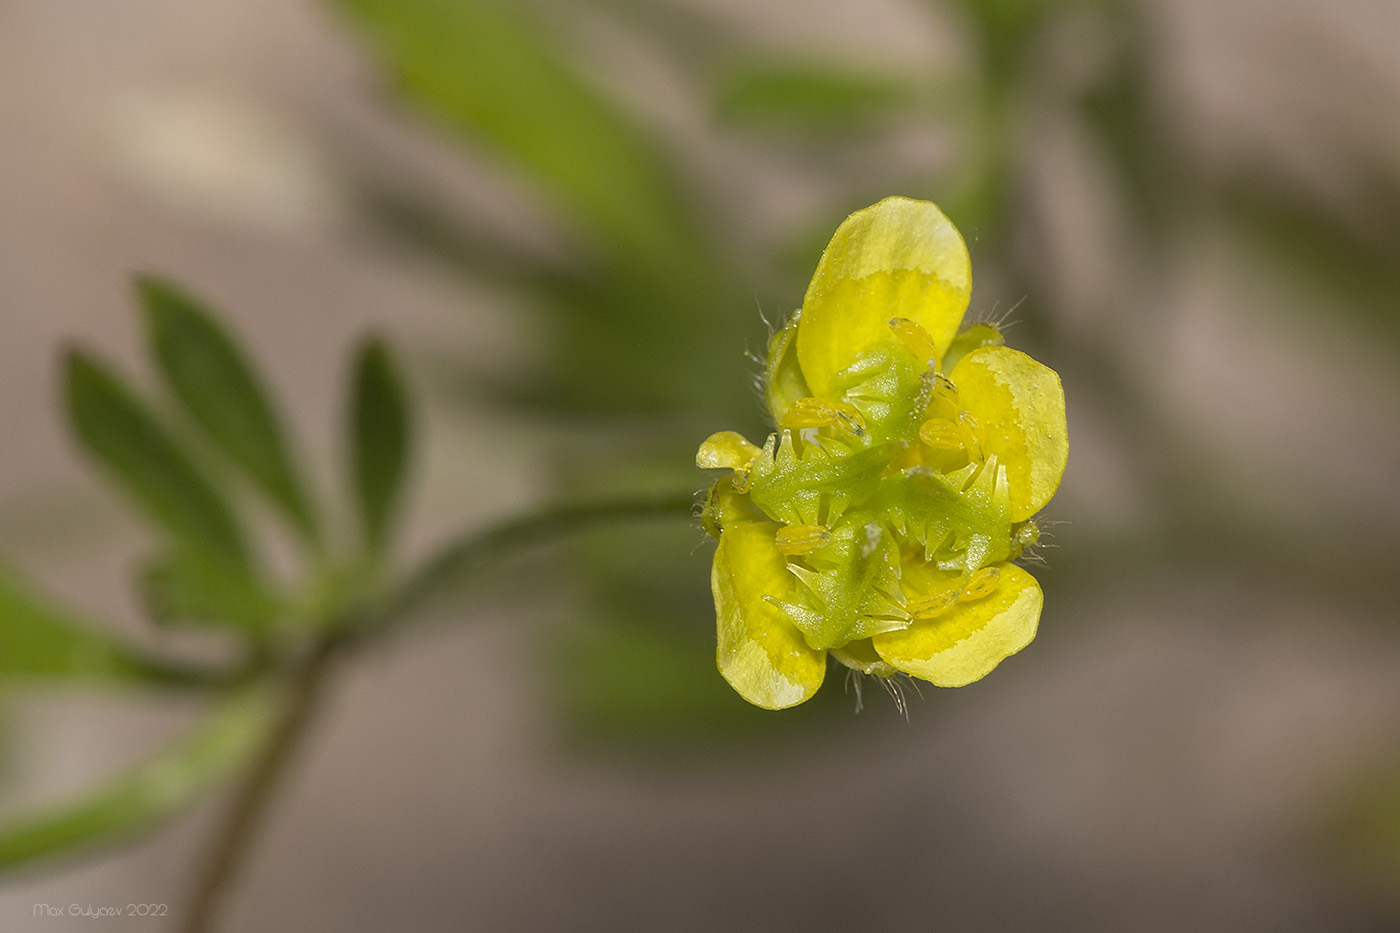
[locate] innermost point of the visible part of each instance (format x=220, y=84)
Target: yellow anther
x=941, y=434
x=932, y=606
x=819, y=413
x=915, y=338
x=943, y=398
x=974, y=436
x=981, y=584
x=809, y=413
x=793, y=540
x=849, y=420
x=725, y=450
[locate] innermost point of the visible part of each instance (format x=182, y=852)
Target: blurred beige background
x=1157, y=760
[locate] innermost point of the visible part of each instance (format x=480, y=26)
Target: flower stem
x=459, y=558
x=234, y=835
x=233, y=838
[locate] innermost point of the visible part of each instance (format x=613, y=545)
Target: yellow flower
x=879, y=523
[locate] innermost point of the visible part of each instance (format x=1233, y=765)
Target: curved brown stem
x=234, y=835
x=248, y=810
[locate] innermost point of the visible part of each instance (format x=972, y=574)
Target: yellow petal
x=898, y=259
x=1021, y=406
x=761, y=653
x=725, y=450
x=964, y=643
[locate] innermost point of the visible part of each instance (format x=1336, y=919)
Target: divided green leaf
x=483, y=68
x=213, y=380
x=142, y=798
x=40, y=641
x=117, y=428
x=190, y=585
x=813, y=96
x=379, y=430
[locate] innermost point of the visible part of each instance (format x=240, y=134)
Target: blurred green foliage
x=1361, y=835
x=379, y=425
x=650, y=314
x=209, y=376
x=811, y=96
x=647, y=318
x=650, y=273
x=176, y=456
x=42, y=642
x=125, y=437
x=148, y=794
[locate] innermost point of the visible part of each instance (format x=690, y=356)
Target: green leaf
x=1004, y=30
x=645, y=680
x=379, y=430
x=211, y=377
x=487, y=71
x=191, y=585
x=40, y=641
x=125, y=437
x=812, y=95
x=1358, y=835
x=1122, y=108
x=1349, y=274
x=144, y=797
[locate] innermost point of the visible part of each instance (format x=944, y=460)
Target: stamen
x=915, y=338
x=943, y=399
x=974, y=436
x=794, y=540
x=981, y=584
x=808, y=413
x=930, y=607
x=849, y=420
x=941, y=434
x=819, y=413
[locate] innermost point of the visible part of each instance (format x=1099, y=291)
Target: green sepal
x=725, y=506
x=783, y=384
x=960, y=519
x=850, y=585
x=816, y=486
x=890, y=389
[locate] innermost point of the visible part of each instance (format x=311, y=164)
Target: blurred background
x=573, y=219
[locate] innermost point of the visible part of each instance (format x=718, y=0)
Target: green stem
x=234, y=836
x=460, y=558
